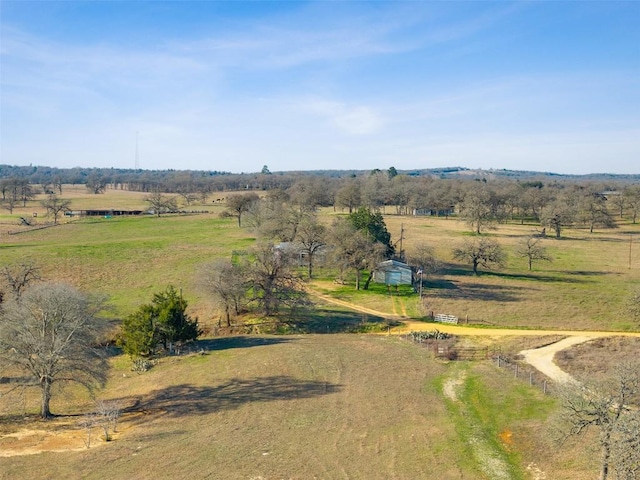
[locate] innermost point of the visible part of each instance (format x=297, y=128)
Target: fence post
x=498, y=361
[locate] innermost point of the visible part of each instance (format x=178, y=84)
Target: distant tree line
x=483, y=198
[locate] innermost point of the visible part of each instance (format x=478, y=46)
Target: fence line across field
x=533, y=376
x=436, y=341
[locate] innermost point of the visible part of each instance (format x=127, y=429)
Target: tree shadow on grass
x=535, y=277
x=587, y=273
x=338, y=321
x=188, y=399
x=239, y=341
x=559, y=277
x=476, y=291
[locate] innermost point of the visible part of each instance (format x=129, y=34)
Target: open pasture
x=323, y=406
x=299, y=407
x=129, y=258
x=585, y=287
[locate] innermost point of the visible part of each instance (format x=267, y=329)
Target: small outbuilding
x=393, y=272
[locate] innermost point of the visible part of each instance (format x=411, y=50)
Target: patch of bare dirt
x=58, y=435
x=33, y=441
x=452, y=384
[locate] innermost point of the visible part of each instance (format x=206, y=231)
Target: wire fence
x=444, y=346
x=525, y=373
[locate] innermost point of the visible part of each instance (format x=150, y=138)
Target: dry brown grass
x=596, y=360
x=292, y=407
x=316, y=406
x=326, y=406
x=584, y=288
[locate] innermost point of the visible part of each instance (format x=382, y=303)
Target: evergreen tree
x=162, y=321
x=373, y=224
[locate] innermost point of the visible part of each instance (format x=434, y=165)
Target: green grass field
x=314, y=406
x=128, y=258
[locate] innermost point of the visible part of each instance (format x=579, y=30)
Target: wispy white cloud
x=335, y=83
x=351, y=119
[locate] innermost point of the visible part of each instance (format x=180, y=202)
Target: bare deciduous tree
x=356, y=250
x=272, y=219
x=423, y=262
x=477, y=209
x=19, y=276
x=349, y=195
x=632, y=201
x=423, y=257
x=238, y=205
x=87, y=423
x=55, y=206
x=561, y=213
x=530, y=248
x=161, y=203
x=312, y=236
x=51, y=334
x=593, y=211
x=633, y=305
x=188, y=196
x=611, y=407
x=272, y=280
x=483, y=252
x=96, y=184
x=9, y=203
x=107, y=414
x=225, y=283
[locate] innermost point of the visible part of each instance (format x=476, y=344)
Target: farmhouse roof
x=392, y=265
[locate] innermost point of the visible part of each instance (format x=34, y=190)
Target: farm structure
x=434, y=212
x=299, y=253
x=393, y=272
x=102, y=213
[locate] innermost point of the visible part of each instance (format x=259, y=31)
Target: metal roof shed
x=392, y=272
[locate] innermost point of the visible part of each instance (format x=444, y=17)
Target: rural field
x=315, y=406
x=326, y=406
x=585, y=287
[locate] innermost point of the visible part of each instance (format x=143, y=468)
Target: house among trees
x=434, y=212
x=298, y=253
x=393, y=272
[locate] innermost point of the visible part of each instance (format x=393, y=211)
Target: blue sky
x=233, y=86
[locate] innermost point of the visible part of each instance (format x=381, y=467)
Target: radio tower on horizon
x=137, y=164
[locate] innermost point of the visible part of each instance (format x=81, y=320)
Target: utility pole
x=401, y=252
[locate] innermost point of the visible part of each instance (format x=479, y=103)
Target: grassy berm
x=302, y=407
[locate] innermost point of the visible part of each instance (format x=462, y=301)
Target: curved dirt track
x=409, y=324
x=540, y=358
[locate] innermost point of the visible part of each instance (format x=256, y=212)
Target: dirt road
x=540, y=358
x=409, y=324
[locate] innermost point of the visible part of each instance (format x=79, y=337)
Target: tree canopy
x=481, y=252
x=163, y=321
x=373, y=224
